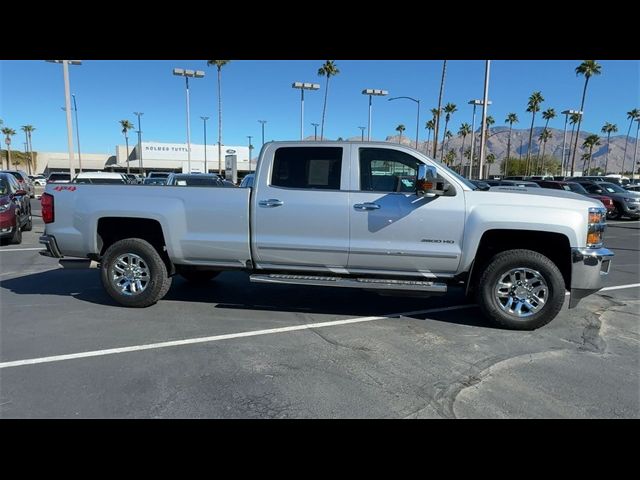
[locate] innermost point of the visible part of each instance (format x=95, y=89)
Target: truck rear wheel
x=133, y=273
x=521, y=290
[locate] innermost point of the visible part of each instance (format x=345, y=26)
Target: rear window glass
x=313, y=168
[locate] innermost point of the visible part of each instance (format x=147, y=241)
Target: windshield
x=456, y=175
x=612, y=187
x=575, y=187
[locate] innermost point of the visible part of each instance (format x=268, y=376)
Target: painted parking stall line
x=20, y=249
x=216, y=338
x=620, y=287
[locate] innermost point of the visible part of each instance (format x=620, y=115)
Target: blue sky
x=32, y=92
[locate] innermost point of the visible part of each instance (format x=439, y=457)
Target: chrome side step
x=362, y=283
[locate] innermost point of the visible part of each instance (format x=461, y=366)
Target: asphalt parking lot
x=232, y=349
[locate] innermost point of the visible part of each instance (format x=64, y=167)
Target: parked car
x=133, y=178
x=23, y=179
x=579, y=189
x=625, y=203
x=101, y=178
x=59, y=177
x=158, y=174
x=247, y=181
x=617, y=179
x=632, y=187
x=39, y=180
x=15, y=209
x=512, y=183
x=155, y=181
x=330, y=214
x=197, y=180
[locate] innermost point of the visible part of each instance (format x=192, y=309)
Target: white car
x=101, y=178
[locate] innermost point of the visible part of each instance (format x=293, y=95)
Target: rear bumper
x=589, y=266
x=52, y=250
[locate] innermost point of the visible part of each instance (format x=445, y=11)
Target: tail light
x=46, y=201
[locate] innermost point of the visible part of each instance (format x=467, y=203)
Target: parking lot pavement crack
x=338, y=344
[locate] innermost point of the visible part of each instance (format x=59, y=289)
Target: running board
x=362, y=283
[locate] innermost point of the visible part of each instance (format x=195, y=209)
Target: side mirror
x=427, y=182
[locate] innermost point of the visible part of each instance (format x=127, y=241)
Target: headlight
x=596, y=226
x=632, y=200
x=4, y=207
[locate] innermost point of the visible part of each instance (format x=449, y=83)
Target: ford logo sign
x=231, y=152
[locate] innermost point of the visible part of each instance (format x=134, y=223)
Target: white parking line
x=191, y=341
x=620, y=287
x=20, y=249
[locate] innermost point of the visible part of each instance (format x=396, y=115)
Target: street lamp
x=371, y=92
x=67, y=103
x=566, y=114
x=204, y=120
x=315, y=130
x=262, y=122
x=181, y=72
x=139, y=114
x=304, y=86
x=418, y=118
x=362, y=129
x=485, y=107
x=475, y=103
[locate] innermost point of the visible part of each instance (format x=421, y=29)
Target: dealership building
x=153, y=156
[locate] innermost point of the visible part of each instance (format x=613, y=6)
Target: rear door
x=300, y=208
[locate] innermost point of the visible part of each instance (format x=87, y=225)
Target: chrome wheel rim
x=521, y=292
x=130, y=274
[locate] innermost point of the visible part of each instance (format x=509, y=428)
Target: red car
x=15, y=209
x=577, y=188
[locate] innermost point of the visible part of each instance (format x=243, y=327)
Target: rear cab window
x=308, y=168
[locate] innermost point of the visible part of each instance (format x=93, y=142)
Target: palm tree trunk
x=220, y=121
x=435, y=136
x=464, y=138
x=324, y=108
x=9, y=156
x=533, y=119
x=540, y=143
x=126, y=140
x=626, y=141
x=575, y=147
x=506, y=163
x=444, y=136
x=428, y=138
x=589, y=164
x=544, y=148
x=606, y=163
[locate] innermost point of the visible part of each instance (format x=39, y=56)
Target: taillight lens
x=46, y=201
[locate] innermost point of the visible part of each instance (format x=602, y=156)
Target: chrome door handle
x=366, y=206
x=272, y=202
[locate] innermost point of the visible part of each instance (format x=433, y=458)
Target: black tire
x=28, y=226
x=197, y=276
x=615, y=214
x=502, y=263
x=159, y=282
x=16, y=238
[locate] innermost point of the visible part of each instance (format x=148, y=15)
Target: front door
x=392, y=229
x=301, y=210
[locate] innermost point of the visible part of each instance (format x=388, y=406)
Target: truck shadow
x=234, y=291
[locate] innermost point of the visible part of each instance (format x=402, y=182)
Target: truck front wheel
x=521, y=290
x=133, y=273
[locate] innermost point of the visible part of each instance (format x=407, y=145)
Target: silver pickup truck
x=374, y=216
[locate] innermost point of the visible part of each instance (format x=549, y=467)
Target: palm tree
x=590, y=142
x=608, y=128
x=490, y=159
x=533, y=106
x=126, y=126
x=28, y=130
x=448, y=135
x=465, y=129
x=588, y=68
x=219, y=64
x=449, y=157
x=544, y=137
x=548, y=114
x=328, y=69
x=573, y=120
x=489, y=121
x=8, y=133
x=449, y=109
x=430, y=125
x=439, y=110
x=631, y=116
x=400, y=128
x=511, y=119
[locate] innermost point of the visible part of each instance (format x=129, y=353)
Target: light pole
x=262, y=122
x=635, y=151
x=485, y=106
x=418, y=117
x=204, y=120
x=67, y=103
x=315, y=130
x=475, y=103
x=371, y=92
x=75, y=107
x=181, y=72
x=139, y=114
x=362, y=136
x=566, y=114
x=250, y=147
x=304, y=86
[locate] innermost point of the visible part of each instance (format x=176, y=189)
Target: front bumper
x=52, y=247
x=588, y=269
